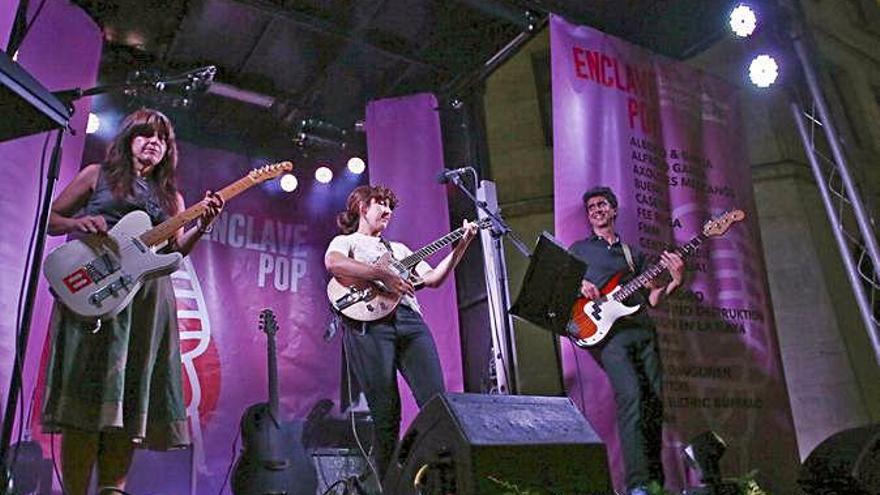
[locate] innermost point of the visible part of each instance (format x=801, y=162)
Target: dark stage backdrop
x=668, y=138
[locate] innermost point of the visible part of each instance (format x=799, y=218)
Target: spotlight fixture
x=319, y=133
x=94, y=124
x=323, y=175
x=288, y=182
x=310, y=140
x=743, y=20
x=356, y=165
x=763, y=71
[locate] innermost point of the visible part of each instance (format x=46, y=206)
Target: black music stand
x=550, y=287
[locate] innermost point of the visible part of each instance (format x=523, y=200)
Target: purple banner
x=406, y=153
x=668, y=139
x=266, y=250
x=7, y=16
x=62, y=50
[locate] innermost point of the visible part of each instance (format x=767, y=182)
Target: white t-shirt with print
x=367, y=249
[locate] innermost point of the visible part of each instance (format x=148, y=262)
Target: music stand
x=550, y=287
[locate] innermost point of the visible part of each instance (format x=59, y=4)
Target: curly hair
x=117, y=165
x=348, y=220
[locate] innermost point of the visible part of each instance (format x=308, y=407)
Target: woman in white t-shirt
x=401, y=341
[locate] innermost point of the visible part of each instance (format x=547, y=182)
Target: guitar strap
x=387, y=246
x=627, y=253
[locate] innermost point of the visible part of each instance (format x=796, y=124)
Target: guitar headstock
x=267, y=172
x=268, y=323
x=719, y=225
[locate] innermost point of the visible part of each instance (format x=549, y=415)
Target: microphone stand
x=196, y=77
x=7, y=485
x=503, y=355
x=499, y=226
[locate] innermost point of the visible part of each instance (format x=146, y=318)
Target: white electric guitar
x=97, y=276
x=591, y=320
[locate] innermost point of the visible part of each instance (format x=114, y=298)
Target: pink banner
x=668, y=139
x=266, y=250
x=62, y=50
x=406, y=153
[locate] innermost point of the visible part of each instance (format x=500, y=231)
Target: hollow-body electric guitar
x=591, y=320
x=363, y=300
x=98, y=275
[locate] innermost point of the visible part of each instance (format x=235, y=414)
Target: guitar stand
x=550, y=287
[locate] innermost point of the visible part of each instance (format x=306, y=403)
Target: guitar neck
x=273, y=377
x=414, y=259
x=167, y=229
x=653, y=271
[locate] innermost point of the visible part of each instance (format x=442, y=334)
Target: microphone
x=447, y=175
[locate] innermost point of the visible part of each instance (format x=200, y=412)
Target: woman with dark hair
x=400, y=341
x=119, y=388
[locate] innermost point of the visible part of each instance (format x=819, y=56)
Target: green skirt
x=126, y=376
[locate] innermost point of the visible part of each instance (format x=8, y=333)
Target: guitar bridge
x=123, y=283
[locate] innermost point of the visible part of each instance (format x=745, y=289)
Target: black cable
x=231, y=462
x=18, y=359
x=333, y=486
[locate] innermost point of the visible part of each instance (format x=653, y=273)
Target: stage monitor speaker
x=485, y=444
x=27, y=106
x=847, y=462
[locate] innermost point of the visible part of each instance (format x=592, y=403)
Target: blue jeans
x=376, y=351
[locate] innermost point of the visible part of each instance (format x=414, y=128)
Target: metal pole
x=831, y=134
x=849, y=264
x=498, y=293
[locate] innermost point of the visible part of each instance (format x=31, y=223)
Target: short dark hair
x=603, y=191
x=348, y=220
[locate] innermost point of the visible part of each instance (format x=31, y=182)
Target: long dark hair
x=347, y=220
x=118, y=164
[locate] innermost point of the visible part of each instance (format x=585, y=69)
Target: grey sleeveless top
x=143, y=197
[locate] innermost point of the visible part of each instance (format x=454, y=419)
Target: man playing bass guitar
x=401, y=340
x=629, y=355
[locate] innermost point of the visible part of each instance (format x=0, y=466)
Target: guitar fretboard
x=168, y=228
x=653, y=271
x=414, y=259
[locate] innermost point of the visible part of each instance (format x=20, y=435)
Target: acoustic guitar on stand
x=98, y=275
x=591, y=320
x=363, y=300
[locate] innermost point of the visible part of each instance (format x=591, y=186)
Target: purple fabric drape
x=7, y=16
x=669, y=140
x=62, y=50
x=406, y=153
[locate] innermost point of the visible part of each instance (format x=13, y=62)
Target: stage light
x=743, y=20
x=323, y=175
x=356, y=165
x=763, y=71
x=94, y=124
x=288, y=182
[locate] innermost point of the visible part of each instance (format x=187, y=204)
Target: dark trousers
x=400, y=342
x=632, y=362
